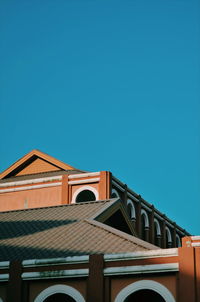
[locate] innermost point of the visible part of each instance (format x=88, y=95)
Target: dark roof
x=62, y=231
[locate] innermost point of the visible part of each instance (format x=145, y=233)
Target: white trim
x=30, y=181
x=74, y=273
x=118, y=186
x=195, y=244
x=179, y=240
x=160, y=253
x=55, y=261
x=82, y=181
x=194, y=238
x=4, y=277
x=133, y=214
x=169, y=236
x=114, y=191
x=142, y=254
x=156, y=222
x=61, y=289
x=72, y=176
x=143, y=212
x=4, y=264
x=145, y=284
x=96, y=193
x=141, y=269
x=31, y=187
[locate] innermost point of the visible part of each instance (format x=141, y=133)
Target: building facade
x=73, y=236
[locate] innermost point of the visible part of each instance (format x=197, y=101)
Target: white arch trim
x=60, y=289
x=130, y=203
x=143, y=212
x=114, y=191
x=169, y=236
x=178, y=239
x=145, y=284
x=157, y=226
x=83, y=188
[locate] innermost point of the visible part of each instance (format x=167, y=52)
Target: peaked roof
x=61, y=231
x=35, y=162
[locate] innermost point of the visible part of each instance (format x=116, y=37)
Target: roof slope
x=62, y=231
x=35, y=162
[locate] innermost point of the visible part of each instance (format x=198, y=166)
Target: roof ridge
x=58, y=206
x=121, y=234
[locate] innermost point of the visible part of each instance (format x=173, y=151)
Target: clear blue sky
x=107, y=85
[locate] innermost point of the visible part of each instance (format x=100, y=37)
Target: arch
x=83, y=188
x=178, y=240
x=157, y=225
x=59, y=289
x=169, y=236
x=146, y=218
x=114, y=192
x=132, y=209
x=145, y=284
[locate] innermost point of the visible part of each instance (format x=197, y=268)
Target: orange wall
x=37, y=287
x=118, y=284
x=30, y=198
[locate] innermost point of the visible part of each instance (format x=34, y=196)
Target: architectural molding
x=74, y=273
x=114, y=191
x=156, y=222
x=145, y=284
x=82, y=175
x=141, y=269
x=143, y=212
x=83, y=188
x=173, y=252
x=60, y=289
x=4, y=277
x=118, y=186
x=55, y=261
x=131, y=204
x=82, y=181
x=55, y=184
x=29, y=181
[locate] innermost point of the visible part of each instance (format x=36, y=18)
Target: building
x=71, y=235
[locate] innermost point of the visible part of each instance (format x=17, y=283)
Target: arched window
x=144, y=225
x=85, y=193
x=115, y=194
x=157, y=233
x=59, y=298
x=144, y=295
x=131, y=209
x=178, y=241
x=61, y=293
x=168, y=237
x=151, y=291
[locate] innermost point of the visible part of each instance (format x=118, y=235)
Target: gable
x=35, y=162
x=116, y=217
x=37, y=166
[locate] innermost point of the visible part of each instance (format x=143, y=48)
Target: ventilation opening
x=85, y=195
x=60, y=298
x=145, y=295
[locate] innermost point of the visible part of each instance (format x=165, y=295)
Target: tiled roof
x=61, y=231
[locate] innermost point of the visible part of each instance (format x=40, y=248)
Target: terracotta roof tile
x=61, y=231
